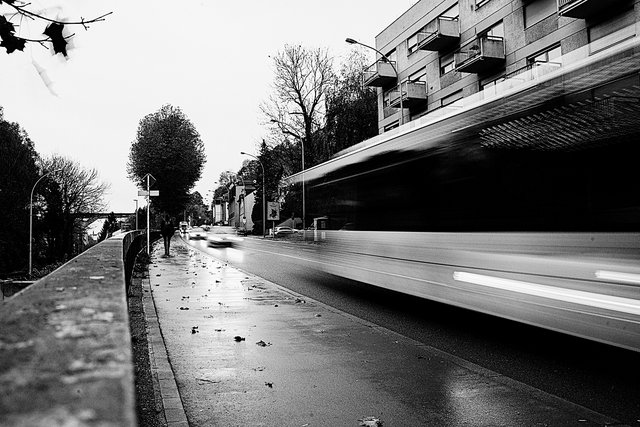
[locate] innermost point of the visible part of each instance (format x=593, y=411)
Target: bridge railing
x=65, y=345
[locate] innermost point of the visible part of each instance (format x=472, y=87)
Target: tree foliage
x=352, y=109
x=168, y=147
x=55, y=31
x=18, y=173
x=196, y=209
x=109, y=226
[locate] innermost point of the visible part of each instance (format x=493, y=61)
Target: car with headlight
x=219, y=237
x=197, y=234
x=283, y=231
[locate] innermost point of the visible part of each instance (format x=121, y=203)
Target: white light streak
x=618, y=276
x=608, y=302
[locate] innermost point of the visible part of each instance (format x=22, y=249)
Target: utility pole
x=148, y=195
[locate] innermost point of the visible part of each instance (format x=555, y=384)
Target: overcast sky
x=210, y=58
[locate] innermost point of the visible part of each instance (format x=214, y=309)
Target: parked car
x=283, y=231
x=184, y=225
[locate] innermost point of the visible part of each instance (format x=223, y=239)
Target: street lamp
x=136, y=200
x=31, y=218
x=301, y=139
x=264, y=195
x=395, y=70
x=244, y=201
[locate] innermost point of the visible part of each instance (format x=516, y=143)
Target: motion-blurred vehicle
x=520, y=203
x=283, y=231
x=242, y=231
x=219, y=237
x=197, y=234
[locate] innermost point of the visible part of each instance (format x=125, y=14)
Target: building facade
x=441, y=54
x=241, y=201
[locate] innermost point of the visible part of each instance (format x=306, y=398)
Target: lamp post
x=31, y=218
x=264, y=195
x=136, y=200
x=244, y=201
x=395, y=70
x=301, y=139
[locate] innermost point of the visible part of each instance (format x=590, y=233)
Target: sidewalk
x=241, y=351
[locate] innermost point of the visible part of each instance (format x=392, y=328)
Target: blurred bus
x=522, y=202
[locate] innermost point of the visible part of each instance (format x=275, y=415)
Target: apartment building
x=441, y=53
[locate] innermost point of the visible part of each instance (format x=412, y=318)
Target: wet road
x=598, y=377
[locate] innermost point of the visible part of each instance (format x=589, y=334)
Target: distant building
x=445, y=51
x=241, y=201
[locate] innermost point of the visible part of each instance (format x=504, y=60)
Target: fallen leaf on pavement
x=371, y=422
x=238, y=338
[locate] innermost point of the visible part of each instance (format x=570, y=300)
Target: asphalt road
x=599, y=377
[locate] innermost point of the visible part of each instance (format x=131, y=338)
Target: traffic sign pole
x=148, y=209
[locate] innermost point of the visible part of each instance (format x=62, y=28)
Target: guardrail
x=65, y=346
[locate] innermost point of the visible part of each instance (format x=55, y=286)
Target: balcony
x=483, y=54
x=380, y=74
x=414, y=94
x=439, y=34
x=582, y=9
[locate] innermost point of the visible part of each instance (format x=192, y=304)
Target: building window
x=418, y=76
x=536, y=11
x=496, y=31
x=393, y=56
x=612, y=30
x=550, y=56
x=391, y=126
x=412, y=43
x=453, y=12
x=489, y=86
x=451, y=99
x=446, y=64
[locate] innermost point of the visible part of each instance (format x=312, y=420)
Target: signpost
x=273, y=213
x=148, y=177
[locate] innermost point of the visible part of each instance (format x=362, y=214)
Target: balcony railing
x=439, y=34
x=413, y=94
x=380, y=74
x=582, y=9
x=483, y=54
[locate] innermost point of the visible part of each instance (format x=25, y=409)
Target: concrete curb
x=161, y=370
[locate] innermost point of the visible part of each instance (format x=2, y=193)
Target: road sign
x=273, y=211
x=148, y=193
x=149, y=179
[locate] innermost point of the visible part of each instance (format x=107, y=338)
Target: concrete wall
x=65, y=346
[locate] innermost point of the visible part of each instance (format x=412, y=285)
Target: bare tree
x=75, y=191
x=297, y=106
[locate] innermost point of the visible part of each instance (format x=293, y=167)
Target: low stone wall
x=65, y=346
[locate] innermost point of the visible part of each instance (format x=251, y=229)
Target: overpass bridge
x=96, y=215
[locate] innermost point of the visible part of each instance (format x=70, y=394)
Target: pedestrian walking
x=167, y=230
